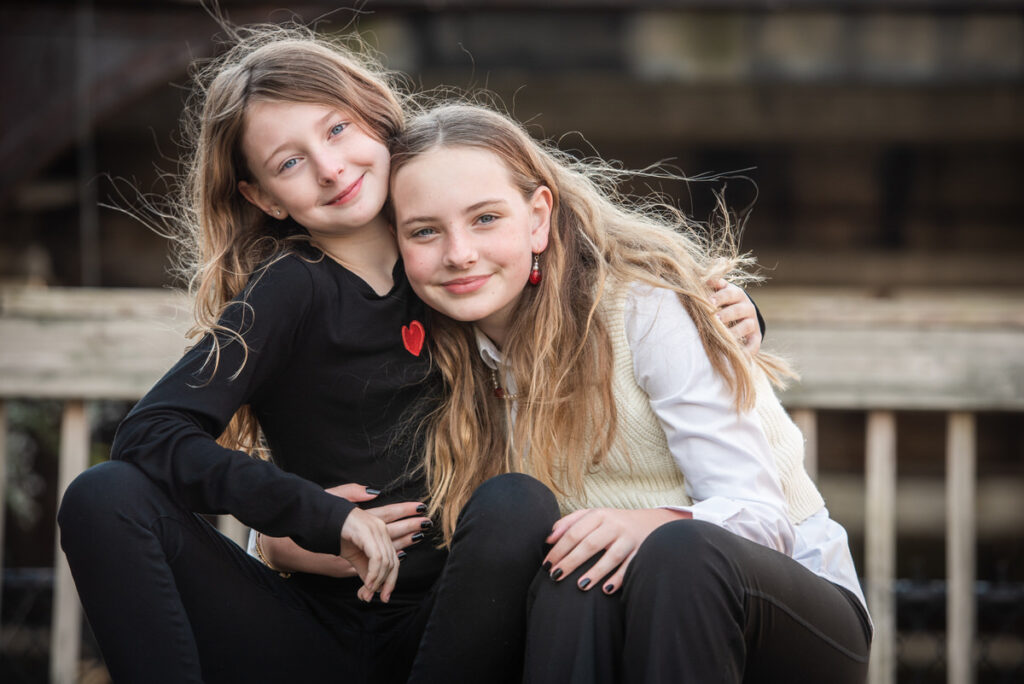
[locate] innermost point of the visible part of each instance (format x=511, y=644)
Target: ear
x=255, y=196
x=540, y=214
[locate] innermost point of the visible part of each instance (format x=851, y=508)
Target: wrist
x=266, y=561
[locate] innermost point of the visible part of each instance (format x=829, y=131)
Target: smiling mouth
x=465, y=285
x=348, y=193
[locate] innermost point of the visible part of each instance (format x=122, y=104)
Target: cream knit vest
x=640, y=472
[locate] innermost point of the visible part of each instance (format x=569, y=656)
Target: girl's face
x=315, y=164
x=467, y=234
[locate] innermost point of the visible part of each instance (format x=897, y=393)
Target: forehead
x=269, y=118
x=468, y=168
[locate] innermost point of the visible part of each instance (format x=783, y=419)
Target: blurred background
x=876, y=151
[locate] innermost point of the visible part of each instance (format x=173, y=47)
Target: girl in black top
x=312, y=349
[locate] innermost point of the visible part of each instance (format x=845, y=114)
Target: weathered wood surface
x=66, y=630
x=961, y=494
x=88, y=344
x=880, y=542
x=911, y=350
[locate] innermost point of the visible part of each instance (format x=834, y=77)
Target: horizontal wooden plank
x=921, y=505
x=903, y=369
x=910, y=350
x=88, y=344
x=94, y=304
x=911, y=308
x=949, y=273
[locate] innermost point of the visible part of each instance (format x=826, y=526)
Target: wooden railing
x=77, y=345
x=956, y=353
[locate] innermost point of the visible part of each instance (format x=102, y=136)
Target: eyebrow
x=319, y=124
x=468, y=210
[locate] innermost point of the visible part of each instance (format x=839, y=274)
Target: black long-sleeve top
x=331, y=379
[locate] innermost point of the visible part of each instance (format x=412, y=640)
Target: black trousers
x=170, y=599
x=698, y=604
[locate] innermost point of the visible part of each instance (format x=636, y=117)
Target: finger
x=753, y=343
x=728, y=314
x=601, y=539
x=613, y=556
x=744, y=328
x=726, y=294
x=570, y=537
x=736, y=312
x=405, y=542
x=408, y=527
x=614, y=583
x=354, y=492
x=388, y=567
x=390, y=581
x=563, y=524
x=380, y=552
x=397, y=511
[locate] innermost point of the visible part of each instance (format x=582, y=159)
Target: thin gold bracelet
x=259, y=552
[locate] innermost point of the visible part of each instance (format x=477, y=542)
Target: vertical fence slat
x=66, y=626
x=960, y=531
x=880, y=542
x=807, y=421
x=3, y=489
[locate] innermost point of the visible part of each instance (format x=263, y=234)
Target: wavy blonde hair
x=224, y=241
x=558, y=348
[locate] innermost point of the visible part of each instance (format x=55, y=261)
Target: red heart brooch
x=412, y=337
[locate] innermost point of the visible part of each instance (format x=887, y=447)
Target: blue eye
x=289, y=163
x=487, y=218
x=423, y=232
x=338, y=128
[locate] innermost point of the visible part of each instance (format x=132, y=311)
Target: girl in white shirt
x=578, y=343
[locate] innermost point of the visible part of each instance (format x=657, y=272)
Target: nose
x=329, y=168
x=460, y=253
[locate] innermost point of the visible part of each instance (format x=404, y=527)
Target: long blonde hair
x=224, y=240
x=558, y=348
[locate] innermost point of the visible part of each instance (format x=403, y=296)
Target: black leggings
x=698, y=604
x=170, y=599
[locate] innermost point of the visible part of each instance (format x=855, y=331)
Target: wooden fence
x=959, y=353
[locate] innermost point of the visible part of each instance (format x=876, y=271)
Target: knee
x=681, y=539
x=105, y=489
x=689, y=556
x=508, y=513
x=514, y=499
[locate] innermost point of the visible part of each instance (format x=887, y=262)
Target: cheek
x=417, y=265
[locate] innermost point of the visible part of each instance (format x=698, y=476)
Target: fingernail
x=556, y=574
x=426, y=524
x=584, y=583
x=422, y=508
x=401, y=555
x=609, y=588
x=372, y=492
x=547, y=566
x=416, y=537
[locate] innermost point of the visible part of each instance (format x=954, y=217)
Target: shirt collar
x=489, y=351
